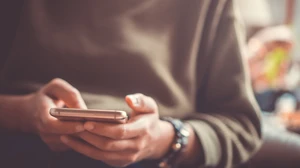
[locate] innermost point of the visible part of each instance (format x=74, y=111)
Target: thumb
x=140, y=103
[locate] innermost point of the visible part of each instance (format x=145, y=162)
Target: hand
x=143, y=137
x=57, y=93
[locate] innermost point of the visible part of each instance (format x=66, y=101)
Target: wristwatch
x=179, y=143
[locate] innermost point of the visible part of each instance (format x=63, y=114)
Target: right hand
x=57, y=93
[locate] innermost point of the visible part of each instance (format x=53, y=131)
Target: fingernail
x=134, y=100
x=89, y=126
x=64, y=139
x=79, y=128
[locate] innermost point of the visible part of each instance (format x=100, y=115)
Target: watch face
x=184, y=132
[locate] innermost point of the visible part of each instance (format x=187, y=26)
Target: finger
x=141, y=103
x=116, y=159
x=118, y=131
x=110, y=145
x=87, y=150
x=50, y=124
x=82, y=148
x=59, y=103
x=60, y=89
x=56, y=126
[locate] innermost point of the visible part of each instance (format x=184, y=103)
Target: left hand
x=144, y=136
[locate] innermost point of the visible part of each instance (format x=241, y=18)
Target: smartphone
x=71, y=114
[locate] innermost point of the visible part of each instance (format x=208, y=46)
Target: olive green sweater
x=186, y=54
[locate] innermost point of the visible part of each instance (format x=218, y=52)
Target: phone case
x=70, y=114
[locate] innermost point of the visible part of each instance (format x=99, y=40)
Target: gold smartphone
x=71, y=114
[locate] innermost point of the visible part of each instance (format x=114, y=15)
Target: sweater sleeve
x=227, y=122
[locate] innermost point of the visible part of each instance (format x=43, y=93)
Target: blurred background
x=273, y=36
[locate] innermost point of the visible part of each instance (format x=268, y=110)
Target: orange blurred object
x=291, y=120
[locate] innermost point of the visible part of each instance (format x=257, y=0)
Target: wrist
x=11, y=110
x=165, y=139
x=26, y=124
x=178, y=145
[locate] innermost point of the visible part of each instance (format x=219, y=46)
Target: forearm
x=11, y=108
x=226, y=141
